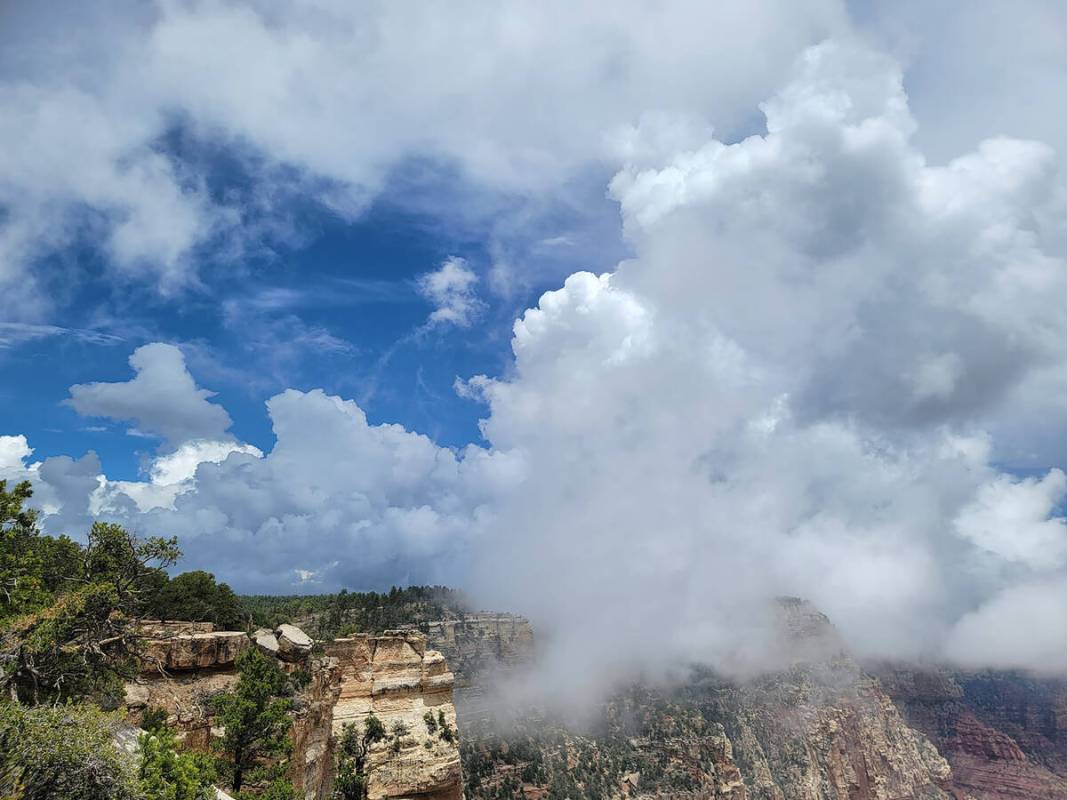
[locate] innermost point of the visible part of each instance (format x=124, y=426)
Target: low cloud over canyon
x=833, y=368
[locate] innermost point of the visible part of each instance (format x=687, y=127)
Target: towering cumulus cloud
x=799, y=386
x=807, y=381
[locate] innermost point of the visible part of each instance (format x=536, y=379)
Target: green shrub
x=62, y=753
x=166, y=774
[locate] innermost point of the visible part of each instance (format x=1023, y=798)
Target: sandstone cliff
x=393, y=676
x=1005, y=734
x=479, y=648
x=409, y=688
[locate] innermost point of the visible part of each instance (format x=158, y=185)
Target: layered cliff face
x=479, y=647
x=820, y=730
x=478, y=642
x=1005, y=734
x=408, y=687
x=831, y=733
x=395, y=677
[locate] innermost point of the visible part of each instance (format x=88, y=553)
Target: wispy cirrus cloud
x=16, y=333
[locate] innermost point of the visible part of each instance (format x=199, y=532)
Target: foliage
x=21, y=586
x=278, y=789
x=83, y=639
x=196, y=597
x=351, y=781
x=74, y=648
x=154, y=719
x=255, y=716
x=62, y=753
x=344, y=613
x=166, y=774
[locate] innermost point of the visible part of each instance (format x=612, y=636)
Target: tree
x=86, y=638
x=134, y=565
x=255, y=716
x=62, y=753
x=166, y=774
x=196, y=597
x=351, y=782
x=21, y=586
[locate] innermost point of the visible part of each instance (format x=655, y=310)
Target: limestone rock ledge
x=409, y=688
x=194, y=651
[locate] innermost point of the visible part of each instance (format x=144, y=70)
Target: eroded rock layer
x=409, y=689
x=1004, y=733
x=395, y=677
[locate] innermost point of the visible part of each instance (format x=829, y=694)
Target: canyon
x=826, y=726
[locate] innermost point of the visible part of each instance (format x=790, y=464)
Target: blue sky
x=328, y=303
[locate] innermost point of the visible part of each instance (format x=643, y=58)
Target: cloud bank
x=806, y=381
x=323, y=101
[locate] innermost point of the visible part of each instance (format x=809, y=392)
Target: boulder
x=293, y=643
x=266, y=641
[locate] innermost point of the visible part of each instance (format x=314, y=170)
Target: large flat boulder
x=266, y=641
x=293, y=643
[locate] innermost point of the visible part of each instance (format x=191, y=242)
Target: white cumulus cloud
x=451, y=290
x=162, y=399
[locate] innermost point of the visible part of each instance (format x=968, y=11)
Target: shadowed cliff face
x=1004, y=733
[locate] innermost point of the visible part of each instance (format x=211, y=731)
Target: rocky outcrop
x=164, y=629
x=186, y=698
x=479, y=649
x=1004, y=733
x=194, y=651
x=408, y=687
x=395, y=677
x=266, y=641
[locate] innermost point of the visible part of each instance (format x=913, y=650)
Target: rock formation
x=293, y=643
x=479, y=647
x=266, y=641
x=393, y=676
x=821, y=729
x=1004, y=733
x=199, y=651
x=409, y=688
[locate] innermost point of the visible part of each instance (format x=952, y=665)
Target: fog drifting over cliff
x=805, y=382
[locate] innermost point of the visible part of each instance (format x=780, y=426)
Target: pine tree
x=255, y=716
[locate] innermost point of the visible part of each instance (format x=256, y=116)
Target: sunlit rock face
x=409, y=688
x=393, y=676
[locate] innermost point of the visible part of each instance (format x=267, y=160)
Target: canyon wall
x=393, y=676
x=407, y=686
x=821, y=729
x=1004, y=733
x=479, y=647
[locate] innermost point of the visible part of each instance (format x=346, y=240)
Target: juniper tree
x=255, y=716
